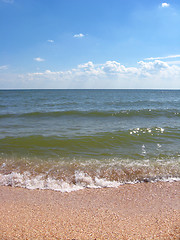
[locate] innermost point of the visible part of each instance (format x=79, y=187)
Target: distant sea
x=73, y=139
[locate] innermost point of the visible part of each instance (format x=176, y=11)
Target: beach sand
x=139, y=211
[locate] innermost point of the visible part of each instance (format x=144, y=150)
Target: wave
x=128, y=143
x=82, y=181
x=149, y=113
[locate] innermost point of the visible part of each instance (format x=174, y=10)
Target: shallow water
x=71, y=139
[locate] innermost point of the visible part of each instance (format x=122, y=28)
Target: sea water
x=73, y=139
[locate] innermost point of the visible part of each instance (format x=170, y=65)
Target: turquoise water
x=71, y=139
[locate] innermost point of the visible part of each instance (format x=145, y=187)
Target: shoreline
x=131, y=211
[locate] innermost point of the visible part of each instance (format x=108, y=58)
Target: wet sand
x=139, y=211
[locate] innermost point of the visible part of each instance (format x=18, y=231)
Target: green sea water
x=72, y=139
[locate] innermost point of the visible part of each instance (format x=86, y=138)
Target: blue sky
x=89, y=44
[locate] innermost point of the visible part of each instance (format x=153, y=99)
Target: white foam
x=25, y=180
x=82, y=180
x=102, y=182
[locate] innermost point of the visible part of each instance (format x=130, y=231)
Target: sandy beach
x=139, y=211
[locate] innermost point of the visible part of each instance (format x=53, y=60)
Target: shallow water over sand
x=72, y=139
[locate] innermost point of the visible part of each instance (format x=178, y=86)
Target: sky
x=67, y=44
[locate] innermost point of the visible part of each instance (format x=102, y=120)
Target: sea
x=67, y=140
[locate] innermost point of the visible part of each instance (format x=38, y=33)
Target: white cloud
x=166, y=57
x=38, y=59
x=165, y=5
x=4, y=67
x=156, y=65
x=51, y=41
x=173, y=62
x=111, y=74
x=80, y=35
x=113, y=67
